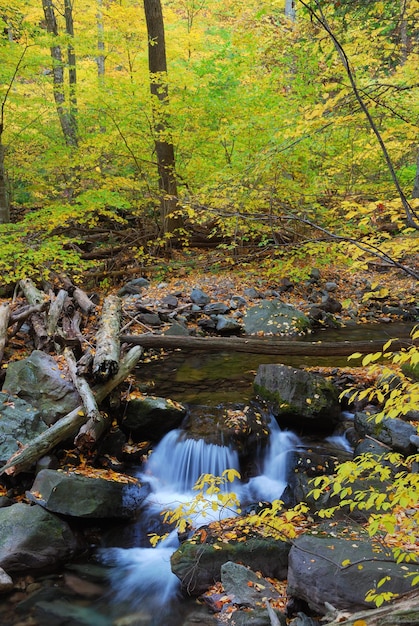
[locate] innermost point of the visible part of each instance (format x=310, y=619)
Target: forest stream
x=140, y=588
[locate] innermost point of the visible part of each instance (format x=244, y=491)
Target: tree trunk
x=290, y=11
x=65, y=116
x=106, y=360
x=71, y=58
x=159, y=89
x=4, y=190
x=261, y=345
x=415, y=192
x=4, y=323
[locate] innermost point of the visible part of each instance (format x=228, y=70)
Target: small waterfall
x=272, y=481
x=141, y=577
x=179, y=461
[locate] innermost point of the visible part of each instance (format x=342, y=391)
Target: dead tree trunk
x=38, y=321
x=4, y=323
x=68, y=425
x=261, y=345
x=106, y=360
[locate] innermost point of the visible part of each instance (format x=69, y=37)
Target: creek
x=141, y=589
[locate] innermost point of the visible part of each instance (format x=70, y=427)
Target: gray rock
x=86, y=497
x=38, y=380
x=6, y=582
x=298, y=394
x=227, y=324
x=235, y=579
x=275, y=318
x=32, y=538
x=392, y=432
x=150, y=417
x=339, y=566
x=199, y=297
x=216, y=308
x=20, y=423
x=331, y=286
x=198, y=565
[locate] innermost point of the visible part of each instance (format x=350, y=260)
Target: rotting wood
x=55, y=310
x=97, y=422
x=261, y=345
x=4, y=323
x=80, y=296
x=36, y=297
x=106, y=359
x=68, y=425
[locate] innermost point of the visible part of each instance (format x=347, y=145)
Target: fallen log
x=80, y=296
x=106, y=359
x=97, y=422
x=4, y=322
x=55, y=310
x=261, y=345
x=401, y=612
x=36, y=297
x=68, y=425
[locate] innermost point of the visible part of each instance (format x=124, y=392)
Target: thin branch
x=412, y=216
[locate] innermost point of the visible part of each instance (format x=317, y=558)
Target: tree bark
x=65, y=115
x=55, y=310
x=260, y=345
x=80, y=296
x=415, y=192
x=68, y=425
x=4, y=323
x=165, y=153
x=106, y=360
x=36, y=298
x=4, y=188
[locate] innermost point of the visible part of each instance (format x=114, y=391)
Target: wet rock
x=392, y=432
x=32, y=538
x=150, y=417
x=198, y=565
x=19, y=424
x=39, y=380
x=244, y=586
x=298, y=397
x=6, y=582
x=339, y=566
x=275, y=318
x=86, y=497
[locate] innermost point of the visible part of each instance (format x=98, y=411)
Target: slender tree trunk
x=415, y=192
x=159, y=89
x=100, y=59
x=71, y=58
x=4, y=190
x=290, y=10
x=65, y=115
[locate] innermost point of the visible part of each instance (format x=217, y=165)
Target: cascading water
x=141, y=577
x=272, y=481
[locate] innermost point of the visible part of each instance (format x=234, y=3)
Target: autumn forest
x=145, y=126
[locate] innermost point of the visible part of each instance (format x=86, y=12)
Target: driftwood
x=261, y=345
x=4, y=323
x=97, y=422
x=68, y=425
x=403, y=611
x=36, y=297
x=55, y=310
x=106, y=359
x=80, y=296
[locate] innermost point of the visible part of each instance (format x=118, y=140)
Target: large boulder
x=86, y=497
x=339, y=565
x=273, y=317
x=20, y=423
x=31, y=538
x=150, y=417
x=298, y=397
x=198, y=563
x=45, y=385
